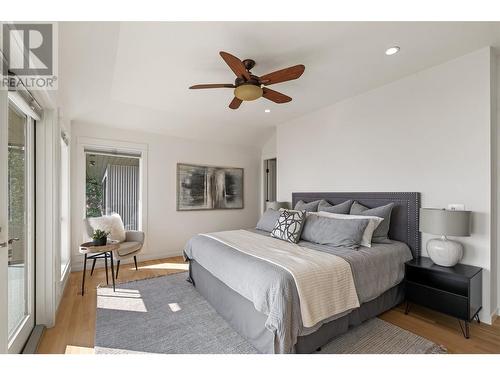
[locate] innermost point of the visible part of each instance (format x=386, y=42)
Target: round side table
x=90, y=251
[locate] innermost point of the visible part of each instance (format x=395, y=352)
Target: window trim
x=105, y=146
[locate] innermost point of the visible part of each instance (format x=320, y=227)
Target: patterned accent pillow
x=289, y=225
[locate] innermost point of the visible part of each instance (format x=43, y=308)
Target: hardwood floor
x=444, y=330
x=75, y=323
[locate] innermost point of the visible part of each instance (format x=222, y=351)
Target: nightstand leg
x=477, y=319
x=465, y=331
x=407, y=308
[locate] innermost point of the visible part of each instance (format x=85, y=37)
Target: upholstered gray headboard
x=404, y=217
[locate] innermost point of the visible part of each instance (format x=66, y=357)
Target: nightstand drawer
x=443, y=301
x=438, y=280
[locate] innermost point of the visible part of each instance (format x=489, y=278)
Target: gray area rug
x=167, y=315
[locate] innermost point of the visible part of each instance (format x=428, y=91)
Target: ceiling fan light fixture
x=248, y=92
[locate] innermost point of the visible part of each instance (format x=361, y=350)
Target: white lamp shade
x=445, y=222
x=276, y=205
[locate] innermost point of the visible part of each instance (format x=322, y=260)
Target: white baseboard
x=61, y=287
x=495, y=315
x=77, y=262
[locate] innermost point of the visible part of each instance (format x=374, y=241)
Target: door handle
x=11, y=240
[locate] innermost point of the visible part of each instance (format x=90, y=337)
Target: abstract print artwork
x=289, y=226
x=202, y=187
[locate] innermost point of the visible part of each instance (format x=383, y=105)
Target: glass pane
x=17, y=273
x=112, y=186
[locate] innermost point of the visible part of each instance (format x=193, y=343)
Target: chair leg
x=135, y=261
x=93, y=265
x=117, y=267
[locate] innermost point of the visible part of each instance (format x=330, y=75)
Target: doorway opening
x=270, y=166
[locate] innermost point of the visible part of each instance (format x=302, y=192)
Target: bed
x=261, y=300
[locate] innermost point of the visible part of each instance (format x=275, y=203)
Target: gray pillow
x=289, y=225
x=268, y=220
x=335, y=232
x=380, y=235
x=342, y=208
x=308, y=207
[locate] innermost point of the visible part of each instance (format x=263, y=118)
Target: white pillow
x=112, y=223
x=374, y=222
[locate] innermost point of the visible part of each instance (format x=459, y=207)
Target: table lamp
x=276, y=205
x=442, y=251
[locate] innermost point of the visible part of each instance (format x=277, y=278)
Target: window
x=112, y=186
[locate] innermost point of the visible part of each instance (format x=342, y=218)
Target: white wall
x=167, y=229
x=429, y=132
x=269, y=150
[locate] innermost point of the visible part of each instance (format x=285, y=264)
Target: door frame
x=4, y=233
x=47, y=218
x=23, y=331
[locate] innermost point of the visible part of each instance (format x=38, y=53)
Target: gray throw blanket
x=272, y=289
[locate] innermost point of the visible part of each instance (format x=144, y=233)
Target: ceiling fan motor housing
x=249, y=63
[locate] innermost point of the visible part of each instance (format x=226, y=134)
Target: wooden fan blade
x=275, y=96
x=236, y=65
x=235, y=103
x=283, y=75
x=213, y=86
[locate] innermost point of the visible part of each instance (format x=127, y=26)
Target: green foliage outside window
x=94, y=197
x=16, y=202
x=16, y=186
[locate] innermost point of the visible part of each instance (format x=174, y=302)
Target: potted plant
x=100, y=237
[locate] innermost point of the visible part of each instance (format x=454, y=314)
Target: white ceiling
x=135, y=75
x=101, y=162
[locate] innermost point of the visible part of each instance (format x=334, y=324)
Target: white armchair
x=128, y=248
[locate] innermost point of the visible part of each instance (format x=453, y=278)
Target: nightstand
x=455, y=291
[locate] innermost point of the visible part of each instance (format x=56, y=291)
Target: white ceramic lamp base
x=445, y=252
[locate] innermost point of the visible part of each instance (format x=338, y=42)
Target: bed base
x=250, y=323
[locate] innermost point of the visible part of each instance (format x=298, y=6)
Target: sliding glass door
x=20, y=221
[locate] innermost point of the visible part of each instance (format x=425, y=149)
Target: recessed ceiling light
x=267, y=110
x=392, y=50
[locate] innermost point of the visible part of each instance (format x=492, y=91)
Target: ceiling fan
x=248, y=86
